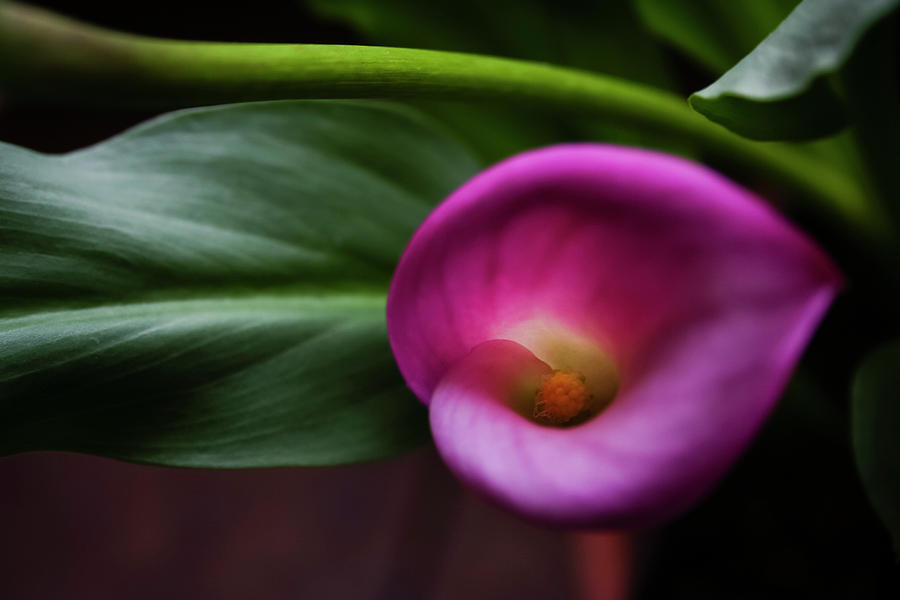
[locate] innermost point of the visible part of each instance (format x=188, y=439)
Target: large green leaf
x=782, y=90
x=208, y=289
x=876, y=433
x=604, y=36
x=716, y=34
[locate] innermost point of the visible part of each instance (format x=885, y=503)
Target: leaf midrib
x=299, y=302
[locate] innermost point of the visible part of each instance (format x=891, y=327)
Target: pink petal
x=702, y=296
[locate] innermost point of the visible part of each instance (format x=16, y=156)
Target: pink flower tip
x=599, y=331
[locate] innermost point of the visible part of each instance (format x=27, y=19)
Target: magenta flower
x=599, y=331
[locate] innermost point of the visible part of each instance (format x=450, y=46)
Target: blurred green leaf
x=208, y=289
x=876, y=433
x=714, y=33
x=782, y=90
x=871, y=92
x=600, y=36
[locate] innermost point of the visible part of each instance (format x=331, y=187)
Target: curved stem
x=48, y=56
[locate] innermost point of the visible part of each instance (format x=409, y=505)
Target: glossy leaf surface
x=208, y=289
x=782, y=90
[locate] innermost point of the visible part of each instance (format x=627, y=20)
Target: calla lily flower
x=599, y=331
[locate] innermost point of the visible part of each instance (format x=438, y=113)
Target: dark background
x=790, y=520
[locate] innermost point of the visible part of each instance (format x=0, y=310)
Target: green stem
x=50, y=57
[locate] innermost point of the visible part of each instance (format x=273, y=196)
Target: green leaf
x=208, y=289
x=716, y=34
x=586, y=35
x=876, y=433
x=783, y=90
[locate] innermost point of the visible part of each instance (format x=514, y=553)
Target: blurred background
x=789, y=520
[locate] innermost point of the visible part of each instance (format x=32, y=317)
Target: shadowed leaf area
x=876, y=424
x=208, y=289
